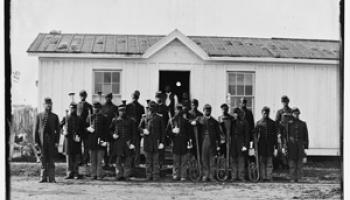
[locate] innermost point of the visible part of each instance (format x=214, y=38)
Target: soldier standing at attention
x=209, y=134
x=193, y=114
x=163, y=111
x=124, y=130
x=83, y=109
x=73, y=128
x=97, y=140
x=239, y=142
x=135, y=110
x=283, y=117
x=246, y=115
x=109, y=110
x=266, y=131
x=298, y=141
x=179, y=129
x=46, y=133
x=153, y=131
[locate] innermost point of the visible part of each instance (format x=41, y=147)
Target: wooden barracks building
x=212, y=69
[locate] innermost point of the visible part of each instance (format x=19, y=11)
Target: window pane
x=98, y=77
x=116, y=77
x=232, y=78
x=240, y=78
x=106, y=89
x=240, y=90
x=234, y=102
x=248, y=90
x=107, y=77
x=249, y=101
x=116, y=88
x=98, y=88
x=232, y=89
x=248, y=79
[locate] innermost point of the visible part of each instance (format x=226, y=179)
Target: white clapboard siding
x=313, y=88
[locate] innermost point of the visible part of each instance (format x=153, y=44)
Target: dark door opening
x=179, y=82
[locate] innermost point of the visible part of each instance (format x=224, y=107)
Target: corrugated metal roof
x=213, y=46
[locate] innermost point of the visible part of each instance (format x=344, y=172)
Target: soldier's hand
x=193, y=123
x=161, y=146
x=222, y=141
x=131, y=146
x=145, y=131
x=283, y=151
x=244, y=148
x=218, y=148
x=90, y=129
x=176, y=130
x=104, y=144
x=275, y=152
x=115, y=136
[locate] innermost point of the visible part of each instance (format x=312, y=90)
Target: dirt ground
x=29, y=188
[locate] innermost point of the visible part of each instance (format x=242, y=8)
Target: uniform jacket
x=75, y=126
x=163, y=111
x=83, y=109
x=99, y=123
x=109, y=110
x=135, y=111
x=154, y=123
x=210, y=124
x=298, y=139
x=280, y=113
x=47, y=125
x=126, y=128
x=266, y=131
x=239, y=137
x=181, y=139
x=247, y=115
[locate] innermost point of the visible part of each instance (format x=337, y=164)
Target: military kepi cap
x=224, y=105
x=244, y=100
x=236, y=110
x=82, y=93
x=265, y=109
x=122, y=108
x=109, y=95
x=73, y=105
x=206, y=106
x=295, y=110
x=152, y=104
x=179, y=105
x=96, y=105
x=159, y=94
x=284, y=98
x=47, y=100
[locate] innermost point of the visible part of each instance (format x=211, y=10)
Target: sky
x=312, y=19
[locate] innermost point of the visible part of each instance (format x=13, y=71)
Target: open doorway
x=179, y=82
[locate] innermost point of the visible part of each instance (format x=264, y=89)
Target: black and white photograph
x=175, y=99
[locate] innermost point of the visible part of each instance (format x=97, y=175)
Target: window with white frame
x=240, y=84
x=107, y=81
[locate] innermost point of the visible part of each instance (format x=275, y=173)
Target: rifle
x=199, y=164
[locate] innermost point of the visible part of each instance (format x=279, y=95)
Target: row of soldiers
x=114, y=134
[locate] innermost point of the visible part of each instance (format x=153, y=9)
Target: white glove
x=161, y=146
x=76, y=138
x=176, y=130
x=251, y=152
x=115, y=136
x=145, y=131
x=222, y=141
x=218, y=148
x=104, y=144
x=193, y=123
x=283, y=151
x=244, y=148
x=131, y=146
x=275, y=152
x=90, y=129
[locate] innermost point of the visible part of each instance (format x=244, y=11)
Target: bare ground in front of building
x=29, y=188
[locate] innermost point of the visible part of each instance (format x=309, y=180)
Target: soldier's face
x=224, y=110
x=194, y=106
x=82, y=97
x=295, y=115
x=73, y=110
x=207, y=112
x=48, y=106
x=178, y=111
x=235, y=115
x=243, y=103
x=285, y=103
x=122, y=113
x=108, y=99
x=158, y=99
x=265, y=114
x=96, y=110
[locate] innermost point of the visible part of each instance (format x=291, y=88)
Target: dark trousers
x=180, y=165
x=136, y=156
x=123, y=166
x=152, y=165
x=295, y=168
x=265, y=167
x=72, y=164
x=237, y=167
x=96, y=162
x=47, y=163
x=208, y=158
x=86, y=155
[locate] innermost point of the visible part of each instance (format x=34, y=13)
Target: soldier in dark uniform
x=135, y=110
x=247, y=115
x=298, y=141
x=209, y=138
x=83, y=109
x=109, y=110
x=97, y=140
x=225, y=121
x=179, y=129
x=266, y=131
x=164, y=112
x=153, y=131
x=46, y=133
x=283, y=117
x=193, y=114
x=73, y=128
x=124, y=130
x=239, y=142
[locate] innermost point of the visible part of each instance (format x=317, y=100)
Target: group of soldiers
x=114, y=135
